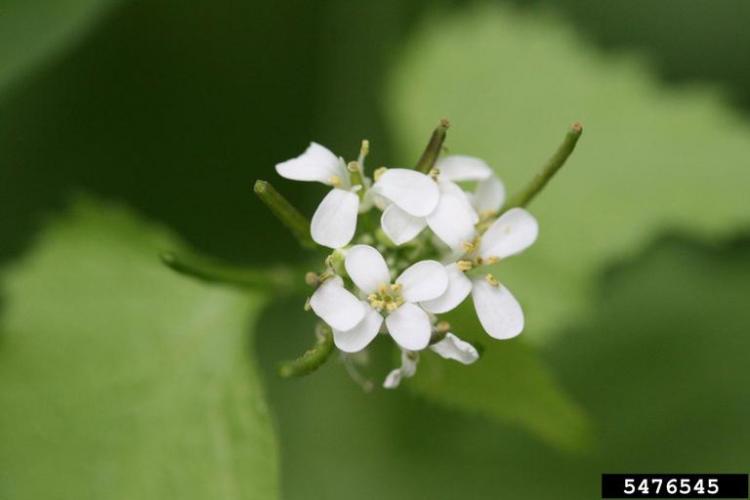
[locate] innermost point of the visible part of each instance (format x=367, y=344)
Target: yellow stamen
x=464, y=265
x=312, y=279
x=442, y=327
x=492, y=280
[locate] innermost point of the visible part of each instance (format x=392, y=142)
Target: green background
x=132, y=127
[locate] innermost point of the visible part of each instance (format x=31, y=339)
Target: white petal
x=317, y=163
x=452, y=347
x=399, y=226
x=454, y=218
x=335, y=220
x=453, y=189
x=410, y=327
x=337, y=306
x=462, y=168
x=367, y=202
x=412, y=191
x=511, y=234
x=489, y=195
x=361, y=335
x=424, y=280
x=366, y=268
x=393, y=379
x=498, y=311
x=459, y=287
x=408, y=369
x=409, y=363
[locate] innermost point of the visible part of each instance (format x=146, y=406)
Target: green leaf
x=660, y=369
x=31, y=31
x=650, y=158
x=509, y=383
x=120, y=379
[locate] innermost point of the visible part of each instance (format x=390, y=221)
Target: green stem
x=286, y=213
x=434, y=147
x=554, y=164
x=280, y=280
x=312, y=359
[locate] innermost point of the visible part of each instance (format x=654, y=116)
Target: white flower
x=335, y=219
x=408, y=324
x=450, y=347
x=489, y=193
x=499, y=312
x=356, y=322
x=453, y=215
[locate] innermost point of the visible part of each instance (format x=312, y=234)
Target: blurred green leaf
x=31, y=31
x=660, y=369
x=510, y=383
x=121, y=379
x=661, y=365
x=651, y=157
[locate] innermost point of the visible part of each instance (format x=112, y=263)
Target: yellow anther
x=312, y=279
x=335, y=181
x=364, y=149
x=471, y=246
x=464, y=265
x=486, y=215
x=434, y=173
x=442, y=327
x=387, y=297
x=353, y=166
x=491, y=260
x=378, y=173
x=491, y=280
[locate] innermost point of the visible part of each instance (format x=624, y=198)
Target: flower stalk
x=523, y=198
x=434, y=147
x=297, y=223
x=279, y=280
x=313, y=358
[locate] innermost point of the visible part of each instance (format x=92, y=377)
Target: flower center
x=387, y=297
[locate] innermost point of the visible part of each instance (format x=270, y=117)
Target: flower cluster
x=407, y=246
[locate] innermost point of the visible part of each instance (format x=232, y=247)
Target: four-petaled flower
x=498, y=311
x=356, y=322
